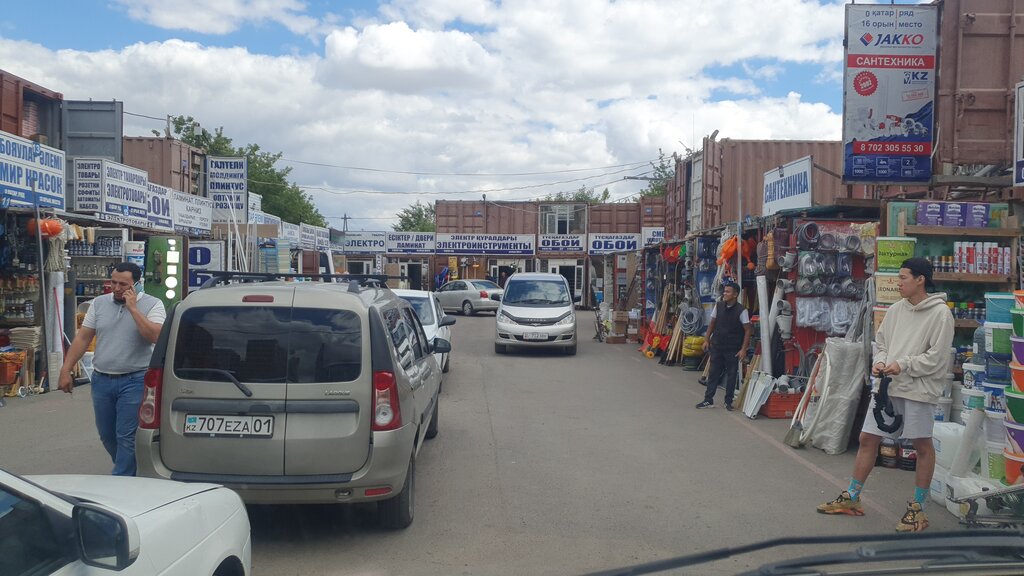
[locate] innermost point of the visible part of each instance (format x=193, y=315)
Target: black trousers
x=723, y=363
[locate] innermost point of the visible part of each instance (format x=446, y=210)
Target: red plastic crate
x=780, y=405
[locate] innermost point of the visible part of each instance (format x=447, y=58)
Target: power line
x=164, y=119
x=483, y=174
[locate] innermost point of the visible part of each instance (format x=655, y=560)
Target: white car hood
x=130, y=496
x=541, y=312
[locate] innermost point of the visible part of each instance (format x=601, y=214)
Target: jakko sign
x=889, y=93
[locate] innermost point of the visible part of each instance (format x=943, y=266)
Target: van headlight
x=507, y=319
x=570, y=319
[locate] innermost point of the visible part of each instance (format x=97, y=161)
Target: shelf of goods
x=959, y=232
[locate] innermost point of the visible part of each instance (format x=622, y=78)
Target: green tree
x=584, y=194
x=664, y=171
x=416, y=217
x=280, y=197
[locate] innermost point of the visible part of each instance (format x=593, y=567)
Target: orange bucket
x=1018, y=296
x=1014, y=464
x=1017, y=376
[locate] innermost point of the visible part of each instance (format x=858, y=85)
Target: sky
x=375, y=105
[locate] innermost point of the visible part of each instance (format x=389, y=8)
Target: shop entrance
x=572, y=271
x=413, y=274
x=359, y=267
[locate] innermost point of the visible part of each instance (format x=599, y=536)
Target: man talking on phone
x=126, y=324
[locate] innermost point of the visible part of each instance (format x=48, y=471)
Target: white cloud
x=522, y=87
x=221, y=16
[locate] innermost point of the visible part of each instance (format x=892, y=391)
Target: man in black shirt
x=728, y=337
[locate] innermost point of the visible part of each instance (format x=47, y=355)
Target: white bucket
x=995, y=429
x=960, y=487
x=957, y=395
x=943, y=409
x=972, y=398
x=956, y=414
x=938, y=487
x=993, y=466
x=946, y=437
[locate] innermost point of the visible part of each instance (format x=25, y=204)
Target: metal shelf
x=965, y=323
x=958, y=231
x=981, y=278
x=92, y=256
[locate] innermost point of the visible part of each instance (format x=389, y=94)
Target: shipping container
x=29, y=110
x=731, y=166
x=615, y=218
x=652, y=211
x=480, y=217
x=676, y=201
x=981, y=58
x=169, y=162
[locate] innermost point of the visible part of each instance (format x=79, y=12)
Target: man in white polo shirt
x=126, y=324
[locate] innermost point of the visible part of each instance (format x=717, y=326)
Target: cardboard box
x=930, y=213
x=615, y=339
x=620, y=316
x=977, y=215
x=954, y=214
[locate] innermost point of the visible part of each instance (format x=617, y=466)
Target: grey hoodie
x=918, y=338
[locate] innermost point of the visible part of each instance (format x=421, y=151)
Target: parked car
x=92, y=525
x=304, y=393
x=536, y=311
x=435, y=322
x=469, y=296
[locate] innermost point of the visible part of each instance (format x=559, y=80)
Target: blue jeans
x=116, y=400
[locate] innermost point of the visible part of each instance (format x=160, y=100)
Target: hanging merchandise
x=809, y=265
x=787, y=261
x=827, y=242
x=808, y=235
x=844, y=265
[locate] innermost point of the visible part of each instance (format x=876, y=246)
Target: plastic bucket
x=997, y=338
x=995, y=396
x=957, y=395
x=1014, y=437
x=1017, y=376
x=992, y=461
x=1017, y=317
x=1018, y=297
x=1017, y=347
x=891, y=251
x=997, y=369
x=887, y=290
x=976, y=373
x=1013, y=463
x=946, y=437
x=998, y=306
x=938, y=487
x=957, y=415
x=1015, y=406
x=973, y=399
x=942, y=409
x=995, y=430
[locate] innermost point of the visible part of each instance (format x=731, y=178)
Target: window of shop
x=563, y=218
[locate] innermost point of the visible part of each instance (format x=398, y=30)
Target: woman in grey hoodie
x=912, y=348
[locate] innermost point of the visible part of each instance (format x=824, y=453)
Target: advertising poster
x=193, y=215
x=227, y=185
x=88, y=184
x=486, y=244
x=788, y=186
x=125, y=195
x=889, y=93
x=161, y=214
x=410, y=242
x=31, y=174
x=612, y=243
x=562, y=243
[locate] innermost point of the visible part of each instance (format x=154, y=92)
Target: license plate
x=229, y=426
x=535, y=336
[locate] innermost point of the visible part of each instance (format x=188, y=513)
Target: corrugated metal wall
x=734, y=165
x=676, y=202
x=479, y=217
x=42, y=116
x=981, y=58
x=652, y=211
x=169, y=162
x=512, y=217
x=615, y=218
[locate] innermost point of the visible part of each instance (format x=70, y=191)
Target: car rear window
x=267, y=344
x=486, y=285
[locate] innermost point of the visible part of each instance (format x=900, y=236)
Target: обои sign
x=562, y=243
x=612, y=243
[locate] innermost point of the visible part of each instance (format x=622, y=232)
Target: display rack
x=91, y=262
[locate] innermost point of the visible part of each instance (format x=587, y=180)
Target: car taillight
x=483, y=295
x=387, y=415
x=149, y=410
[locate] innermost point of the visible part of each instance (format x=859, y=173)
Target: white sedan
x=77, y=525
x=436, y=324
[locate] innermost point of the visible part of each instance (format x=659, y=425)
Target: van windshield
x=537, y=293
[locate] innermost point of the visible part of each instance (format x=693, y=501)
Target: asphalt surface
x=545, y=464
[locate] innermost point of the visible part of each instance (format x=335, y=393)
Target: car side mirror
x=442, y=346
x=447, y=321
x=577, y=299
x=105, y=538
x=496, y=297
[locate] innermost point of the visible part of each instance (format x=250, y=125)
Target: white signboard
x=653, y=235
x=271, y=220
x=562, y=243
x=361, y=242
x=255, y=201
x=88, y=184
x=788, y=186
x=203, y=257
x=31, y=174
x=487, y=244
x=1018, y=138
x=410, y=243
x=307, y=236
x=227, y=186
x=125, y=194
x=161, y=213
x=193, y=215
x=889, y=93
x=292, y=233
x=323, y=238
x=612, y=243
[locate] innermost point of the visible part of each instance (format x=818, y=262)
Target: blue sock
x=855, y=487
x=921, y=495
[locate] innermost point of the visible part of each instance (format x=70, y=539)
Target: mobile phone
x=138, y=287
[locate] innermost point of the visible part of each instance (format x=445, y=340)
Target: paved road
x=544, y=464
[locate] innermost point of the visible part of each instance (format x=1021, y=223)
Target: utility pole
x=344, y=223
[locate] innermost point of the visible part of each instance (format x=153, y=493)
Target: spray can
x=908, y=455
x=956, y=257
x=889, y=452
x=1007, y=257
x=971, y=257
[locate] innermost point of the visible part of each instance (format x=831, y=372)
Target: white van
x=537, y=311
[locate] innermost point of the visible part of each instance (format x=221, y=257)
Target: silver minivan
x=536, y=311
x=293, y=393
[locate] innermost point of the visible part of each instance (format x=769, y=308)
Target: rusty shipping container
x=730, y=166
x=27, y=109
x=677, y=200
x=614, y=218
x=169, y=162
x=479, y=217
x=981, y=58
x=652, y=211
